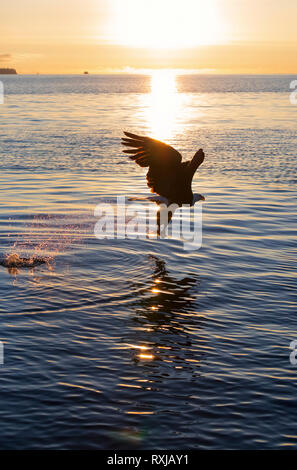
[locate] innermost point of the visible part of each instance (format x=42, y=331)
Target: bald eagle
x=168, y=177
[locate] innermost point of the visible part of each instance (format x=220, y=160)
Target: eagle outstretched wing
x=164, y=162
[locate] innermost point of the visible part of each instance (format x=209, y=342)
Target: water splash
x=45, y=237
x=15, y=260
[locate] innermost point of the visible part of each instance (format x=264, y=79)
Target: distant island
x=8, y=72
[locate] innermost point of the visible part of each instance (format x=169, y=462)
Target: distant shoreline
x=8, y=72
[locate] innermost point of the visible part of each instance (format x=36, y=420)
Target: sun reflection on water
x=164, y=104
x=146, y=356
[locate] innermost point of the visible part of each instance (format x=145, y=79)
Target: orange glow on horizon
x=117, y=36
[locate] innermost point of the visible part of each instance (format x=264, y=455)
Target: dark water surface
x=123, y=344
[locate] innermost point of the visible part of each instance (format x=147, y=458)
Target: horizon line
x=151, y=71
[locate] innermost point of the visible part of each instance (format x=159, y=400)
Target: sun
x=165, y=24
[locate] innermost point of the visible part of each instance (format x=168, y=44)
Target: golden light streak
x=163, y=104
x=136, y=346
x=155, y=291
x=146, y=356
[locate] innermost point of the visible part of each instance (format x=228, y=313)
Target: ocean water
x=139, y=344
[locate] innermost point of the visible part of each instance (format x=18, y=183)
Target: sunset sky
x=215, y=36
